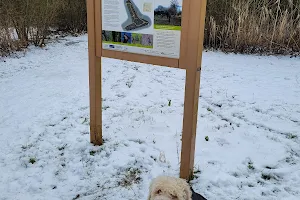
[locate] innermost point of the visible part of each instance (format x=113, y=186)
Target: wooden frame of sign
x=190, y=59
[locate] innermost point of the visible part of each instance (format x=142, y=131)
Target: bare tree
x=174, y=3
x=172, y=11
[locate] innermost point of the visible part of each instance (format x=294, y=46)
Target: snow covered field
x=249, y=108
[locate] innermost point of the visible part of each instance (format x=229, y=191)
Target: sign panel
x=149, y=27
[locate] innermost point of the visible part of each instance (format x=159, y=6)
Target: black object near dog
x=196, y=196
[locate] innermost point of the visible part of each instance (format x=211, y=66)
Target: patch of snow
x=249, y=109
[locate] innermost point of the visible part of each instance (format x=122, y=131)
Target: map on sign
x=150, y=27
x=135, y=20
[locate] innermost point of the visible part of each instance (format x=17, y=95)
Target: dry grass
x=254, y=26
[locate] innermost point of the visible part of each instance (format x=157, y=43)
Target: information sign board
x=150, y=27
x=168, y=33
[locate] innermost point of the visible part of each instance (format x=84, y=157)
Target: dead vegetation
x=253, y=26
x=241, y=26
x=25, y=22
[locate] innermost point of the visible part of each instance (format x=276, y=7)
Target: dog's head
x=169, y=188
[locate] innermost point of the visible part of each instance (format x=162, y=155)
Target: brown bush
x=71, y=16
x=32, y=19
x=42, y=17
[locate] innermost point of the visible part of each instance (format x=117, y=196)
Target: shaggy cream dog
x=169, y=188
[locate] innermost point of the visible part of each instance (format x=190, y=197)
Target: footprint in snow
x=222, y=141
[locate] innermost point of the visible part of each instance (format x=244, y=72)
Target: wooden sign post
x=159, y=32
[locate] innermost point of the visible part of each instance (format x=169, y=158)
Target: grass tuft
x=92, y=153
x=32, y=160
x=132, y=176
x=207, y=138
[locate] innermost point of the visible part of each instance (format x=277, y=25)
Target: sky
x=165, y=3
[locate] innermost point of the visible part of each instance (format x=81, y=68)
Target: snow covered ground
x=249, y=108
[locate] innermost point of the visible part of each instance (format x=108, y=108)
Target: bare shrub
x=72, y=16
x=30, y=18
x=8, y=37
x=5, y=44
x=42, y=18
x=15, y=13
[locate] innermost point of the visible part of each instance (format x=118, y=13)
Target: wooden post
x=95, y=76
x=193, y=21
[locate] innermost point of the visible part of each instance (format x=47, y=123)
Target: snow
x=249, y=108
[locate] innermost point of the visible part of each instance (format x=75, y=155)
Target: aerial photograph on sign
x=135, y=19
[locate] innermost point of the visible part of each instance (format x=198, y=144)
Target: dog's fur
x=169, y=188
